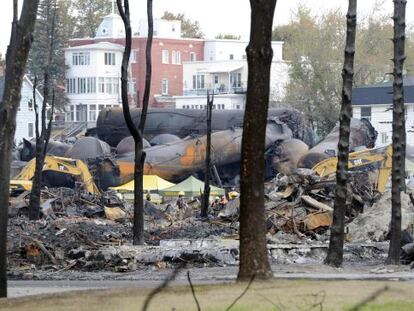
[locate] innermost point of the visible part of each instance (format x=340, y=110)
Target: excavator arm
x=378, y=158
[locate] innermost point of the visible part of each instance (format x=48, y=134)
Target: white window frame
x=199, y=82
x=92, y=113
x=108, y=86
x=176, y=57
x=110, y=59
x=165, y=56
x=101, y=85
x=133, y=57
x=384, y=137
x=30, y=129
x=164, y=87
x=80, y=58
x=193, y=57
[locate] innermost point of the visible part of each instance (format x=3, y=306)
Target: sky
x=218, y=16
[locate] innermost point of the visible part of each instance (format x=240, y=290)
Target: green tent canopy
x=191, y=187
x=409, y=166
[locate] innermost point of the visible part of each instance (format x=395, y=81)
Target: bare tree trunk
x=398, y=132
x=137, y=133
x=17, y=54
x=336, y=242
x=42, y=140
x=254, y=261
x=207, y=177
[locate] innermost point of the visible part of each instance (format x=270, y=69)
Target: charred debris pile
x=86, y=226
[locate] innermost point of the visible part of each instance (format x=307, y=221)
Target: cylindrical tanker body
x=111, y=125
x=178, y=160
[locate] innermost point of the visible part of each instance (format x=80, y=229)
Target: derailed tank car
x=111, y=126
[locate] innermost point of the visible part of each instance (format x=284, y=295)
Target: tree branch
x=161, y=287
x=242, y=294
x=193, y=291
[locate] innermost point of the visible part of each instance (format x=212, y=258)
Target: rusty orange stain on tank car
x=193, y=154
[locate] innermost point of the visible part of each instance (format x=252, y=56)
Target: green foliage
x=314, y=45
x=228, y=36
x=38, y=57
x=189, y=28
x=89, y=14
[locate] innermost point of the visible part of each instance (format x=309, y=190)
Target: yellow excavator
x=378, y=158
x=60, y=172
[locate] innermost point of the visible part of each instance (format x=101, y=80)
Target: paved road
x=199, y=276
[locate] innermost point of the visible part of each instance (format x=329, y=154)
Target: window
x=216, y=79
x=237, y=106
x=198, y=82
x=81, y=59
x=366, y=113
x=81, y=113
x=193, y=57
x=133, y=57
x=384, y=138
x=101, y=107
x=116, y=85
x=165, y=57
x=30, y=134
x=30, y=105
x=101, y=85
x=164, y=86
x=81, y=85
x=72, y=113
x=91, y=85
x=108, y=84
x=176, y=57
x=92, y=113
x=71, y=86
x=231, y=56
x=110, y=59
x=132, y=86
x=235, y=79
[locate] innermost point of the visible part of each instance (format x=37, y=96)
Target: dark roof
x=381, y=93
x=1, y=87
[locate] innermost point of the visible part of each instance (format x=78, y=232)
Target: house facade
x=25, y=118
x=182, y=70
x=225, y=72
x=92, y=80
x=168, y=53
x=374, y=102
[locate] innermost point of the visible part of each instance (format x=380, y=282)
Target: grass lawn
x=275, y=295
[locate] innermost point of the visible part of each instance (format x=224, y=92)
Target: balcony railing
x=217, y=90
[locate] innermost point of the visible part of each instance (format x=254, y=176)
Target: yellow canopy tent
x=151, y=183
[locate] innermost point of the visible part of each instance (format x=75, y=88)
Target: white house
x=162, y=28
x=92, y=80
x=224, y=70
x=374, y=102
x=226, y=49
x=25, y=119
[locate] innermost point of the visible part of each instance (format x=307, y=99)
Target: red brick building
x=167, y=57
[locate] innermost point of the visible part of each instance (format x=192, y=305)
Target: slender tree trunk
x=42, y=140
x=207, y=177
x=17, y=54
x=254, y=261
x=137, y=133
x=398, y=132
x=336, y=242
